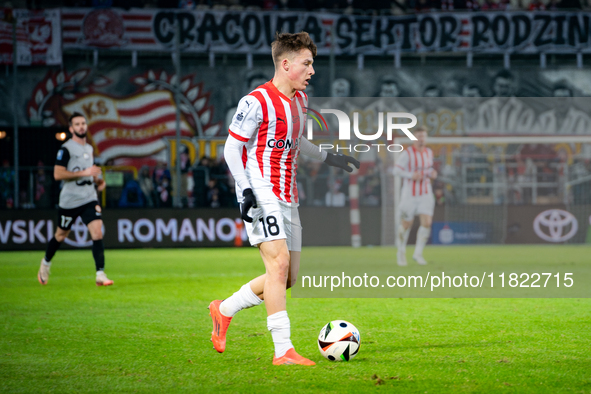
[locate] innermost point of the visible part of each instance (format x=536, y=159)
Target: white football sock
x=422, y=237
x=402, y=238
x=45, y=262
x=242, y=299
x=278, y=324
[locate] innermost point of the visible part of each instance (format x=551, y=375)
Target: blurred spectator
x=77, y=3
x=439, y=195
x=162, y=185
x=6, y=185
x=42, y=187
x=131, y=195
x=102, y=3
x=291, y=5
x=213, y=194
x=388, y=87
x=570, y=4
x=504, y=84
x=163, y=189
x=187, y=4
x=185, y=166
x=146, y=185
x=335, y=197
x=536, y=5
x=552, y=5
x=371, y=188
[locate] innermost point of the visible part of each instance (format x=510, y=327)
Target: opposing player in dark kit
x=78, y=198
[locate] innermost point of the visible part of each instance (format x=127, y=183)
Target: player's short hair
x=419, y=129
x=290, y=43
x=75, y=115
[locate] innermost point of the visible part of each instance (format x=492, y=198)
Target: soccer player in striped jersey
x=265, y=139
x=415, y=167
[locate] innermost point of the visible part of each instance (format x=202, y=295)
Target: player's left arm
x=334, y=160
x=431, y=172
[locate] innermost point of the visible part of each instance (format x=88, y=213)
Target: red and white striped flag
x=132, y=126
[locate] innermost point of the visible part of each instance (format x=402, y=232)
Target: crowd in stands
x=209, y=184
x=363, y=7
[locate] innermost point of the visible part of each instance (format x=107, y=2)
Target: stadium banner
x=208, y=105
x=452, y=116
x=171, y=228
x=137, y=128
x=448, y=233
x=38, y=37
x=153, y=228
x=162, y=228
x=548, y=224
x=253, y=32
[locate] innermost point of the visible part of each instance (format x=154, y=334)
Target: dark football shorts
x=88, y=213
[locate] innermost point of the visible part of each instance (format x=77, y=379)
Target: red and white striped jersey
x=271, y=125
x=412, y=160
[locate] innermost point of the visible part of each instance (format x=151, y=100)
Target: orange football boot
x=292, y=358
x=220, y=326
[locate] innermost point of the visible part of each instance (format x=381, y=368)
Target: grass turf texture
x=150, y=331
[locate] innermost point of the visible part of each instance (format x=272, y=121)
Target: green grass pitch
x=150, y=331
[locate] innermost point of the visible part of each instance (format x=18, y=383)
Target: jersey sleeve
x=309, y=149
x=247, y=119
x=401, y=166
x=63, y=157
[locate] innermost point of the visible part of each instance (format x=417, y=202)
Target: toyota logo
x=555, y=225
x=81, y=234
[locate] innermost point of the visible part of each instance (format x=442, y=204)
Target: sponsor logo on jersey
x=240, y=116
x=283, y=144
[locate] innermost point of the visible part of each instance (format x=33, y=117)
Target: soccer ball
x=339, y=340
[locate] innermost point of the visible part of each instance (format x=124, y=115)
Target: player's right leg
x=407, y=214
x=402, y=240
x=276, y=257
x=52, y=247
x=423, y=234
x=95, y=227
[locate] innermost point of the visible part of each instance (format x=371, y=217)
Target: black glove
x=248, y=202
x=341, y=161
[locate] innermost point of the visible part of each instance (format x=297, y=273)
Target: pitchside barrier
x=166, y=228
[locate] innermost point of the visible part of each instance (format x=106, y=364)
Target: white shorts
x=275, y=220
x=418, y=205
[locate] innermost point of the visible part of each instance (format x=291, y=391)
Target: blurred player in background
x=265, y=138
x=415, y=167
x=78, y=198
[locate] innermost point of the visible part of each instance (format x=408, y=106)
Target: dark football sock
x=98, y=252
x=52, y=247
